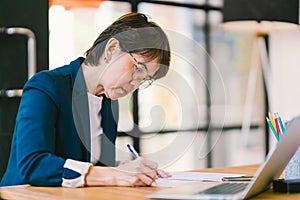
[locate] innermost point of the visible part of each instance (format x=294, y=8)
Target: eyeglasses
x=140, y=73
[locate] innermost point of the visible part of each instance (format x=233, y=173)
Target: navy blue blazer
x=52, y=125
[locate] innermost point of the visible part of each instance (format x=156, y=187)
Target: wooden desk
x=110, y=193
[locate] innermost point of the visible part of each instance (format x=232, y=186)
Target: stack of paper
x=179, y=178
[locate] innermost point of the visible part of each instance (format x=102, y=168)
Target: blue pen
x=132, y=151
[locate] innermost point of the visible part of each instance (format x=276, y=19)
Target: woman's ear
x=111, y=46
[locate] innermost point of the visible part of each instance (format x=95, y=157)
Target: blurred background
x=206, y=112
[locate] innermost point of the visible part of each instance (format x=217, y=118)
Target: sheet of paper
x=164, y=182
x=179, y=178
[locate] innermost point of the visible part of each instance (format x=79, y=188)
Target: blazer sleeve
x=35, y=134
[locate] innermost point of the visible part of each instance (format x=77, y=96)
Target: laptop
x=270, y=170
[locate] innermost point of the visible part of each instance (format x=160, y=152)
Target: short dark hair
x=136, y=34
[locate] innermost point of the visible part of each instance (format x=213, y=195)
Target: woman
x=67, y=120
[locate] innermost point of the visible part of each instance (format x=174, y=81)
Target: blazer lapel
x=109, y=113
x=81, y=114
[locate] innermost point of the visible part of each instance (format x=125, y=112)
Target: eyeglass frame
x=148, y=79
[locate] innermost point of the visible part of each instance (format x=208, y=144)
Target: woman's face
x=119, y=77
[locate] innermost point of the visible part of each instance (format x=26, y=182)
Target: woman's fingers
x=163, y=174
x=149, y=163
x=135, y=180
x=152, y=174
x=142, y=172
x=145, y=179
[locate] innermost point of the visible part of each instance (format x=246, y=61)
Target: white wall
x=285, y=66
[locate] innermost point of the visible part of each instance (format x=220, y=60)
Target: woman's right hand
x=138, y=172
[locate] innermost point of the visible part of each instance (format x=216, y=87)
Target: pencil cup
x=292, y=170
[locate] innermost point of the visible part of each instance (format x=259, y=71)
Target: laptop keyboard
x=225, y=188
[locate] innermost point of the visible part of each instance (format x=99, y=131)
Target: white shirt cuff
x=81, y=168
